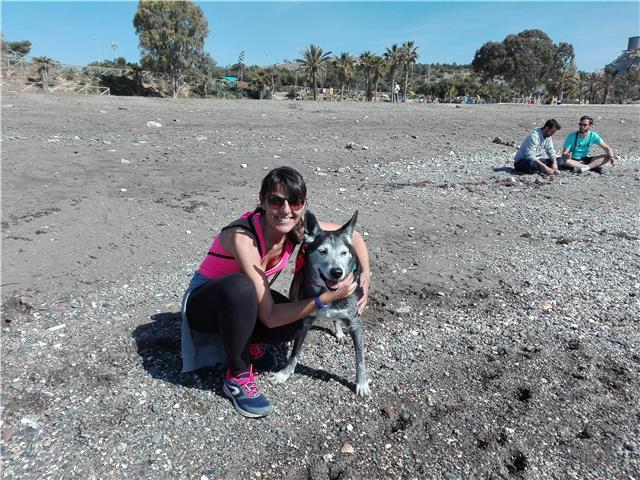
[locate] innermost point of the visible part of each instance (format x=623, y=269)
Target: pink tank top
x=219, y=262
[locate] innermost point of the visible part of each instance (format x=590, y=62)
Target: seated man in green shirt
x=578, y=144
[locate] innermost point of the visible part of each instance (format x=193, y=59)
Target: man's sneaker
x=581, y=169
x=263, y=358
x=245, y=395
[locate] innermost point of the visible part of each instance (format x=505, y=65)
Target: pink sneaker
x=245, y=394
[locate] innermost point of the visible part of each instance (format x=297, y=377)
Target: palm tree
x=345, y=66
x=314, y=60
x=592, y=83
x=366, y=60
x=606, y=82
x=44, y=65
x=583, y=79
x=393, y=56
x=409, y=56
x=378, y=67
x=260, y=81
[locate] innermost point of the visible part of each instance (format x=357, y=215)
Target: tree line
x=172, y=36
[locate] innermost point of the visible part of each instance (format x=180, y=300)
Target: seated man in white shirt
x=536, y=154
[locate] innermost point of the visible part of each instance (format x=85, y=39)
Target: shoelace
x=248, y=384
x=256, y=350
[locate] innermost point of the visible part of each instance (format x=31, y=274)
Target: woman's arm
x=242, y=245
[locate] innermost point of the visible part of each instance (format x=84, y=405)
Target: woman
x=229, y=310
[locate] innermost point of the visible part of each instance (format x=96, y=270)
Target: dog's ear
x=350, y=226
x=311, y=227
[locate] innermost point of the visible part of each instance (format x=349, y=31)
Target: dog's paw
x=341, y=337
x=280, y=377
x=363, y=390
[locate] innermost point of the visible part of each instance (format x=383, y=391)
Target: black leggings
x=229, y=306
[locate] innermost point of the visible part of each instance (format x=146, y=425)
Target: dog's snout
x=336, y=273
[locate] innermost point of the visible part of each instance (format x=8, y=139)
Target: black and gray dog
x=328, y=259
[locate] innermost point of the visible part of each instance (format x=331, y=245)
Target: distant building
x=629, y=59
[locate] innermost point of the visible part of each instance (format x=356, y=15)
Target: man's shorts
x=585, y=160
x=531, y=166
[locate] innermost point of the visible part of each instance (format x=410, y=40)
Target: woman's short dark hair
x=552, y=123
x=289, y=179
x=588, y=118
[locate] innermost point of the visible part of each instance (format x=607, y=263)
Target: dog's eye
x=344, y=254
x=322, y=251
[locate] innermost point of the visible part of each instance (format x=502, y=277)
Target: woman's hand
x=365, y=282
x=345, y=288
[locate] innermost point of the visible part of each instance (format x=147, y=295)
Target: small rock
x=347, y=448
x=327, y=457
x=157, y=437
x=31, y=421
x=546, y=305
x=7, y=433
x=564, y=241
x=151, y=123
x=124, y=160
x=243, y=165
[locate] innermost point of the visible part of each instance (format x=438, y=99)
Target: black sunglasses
x=276, y=202
x=584, y=124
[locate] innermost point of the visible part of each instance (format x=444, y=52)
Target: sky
x=269, y=32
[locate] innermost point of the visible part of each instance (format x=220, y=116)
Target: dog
x=328, y=258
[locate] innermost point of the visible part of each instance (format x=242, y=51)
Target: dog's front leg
x=285, y=373
x=355, y=328
x=340, y=336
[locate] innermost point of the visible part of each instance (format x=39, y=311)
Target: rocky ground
x=502, y=333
